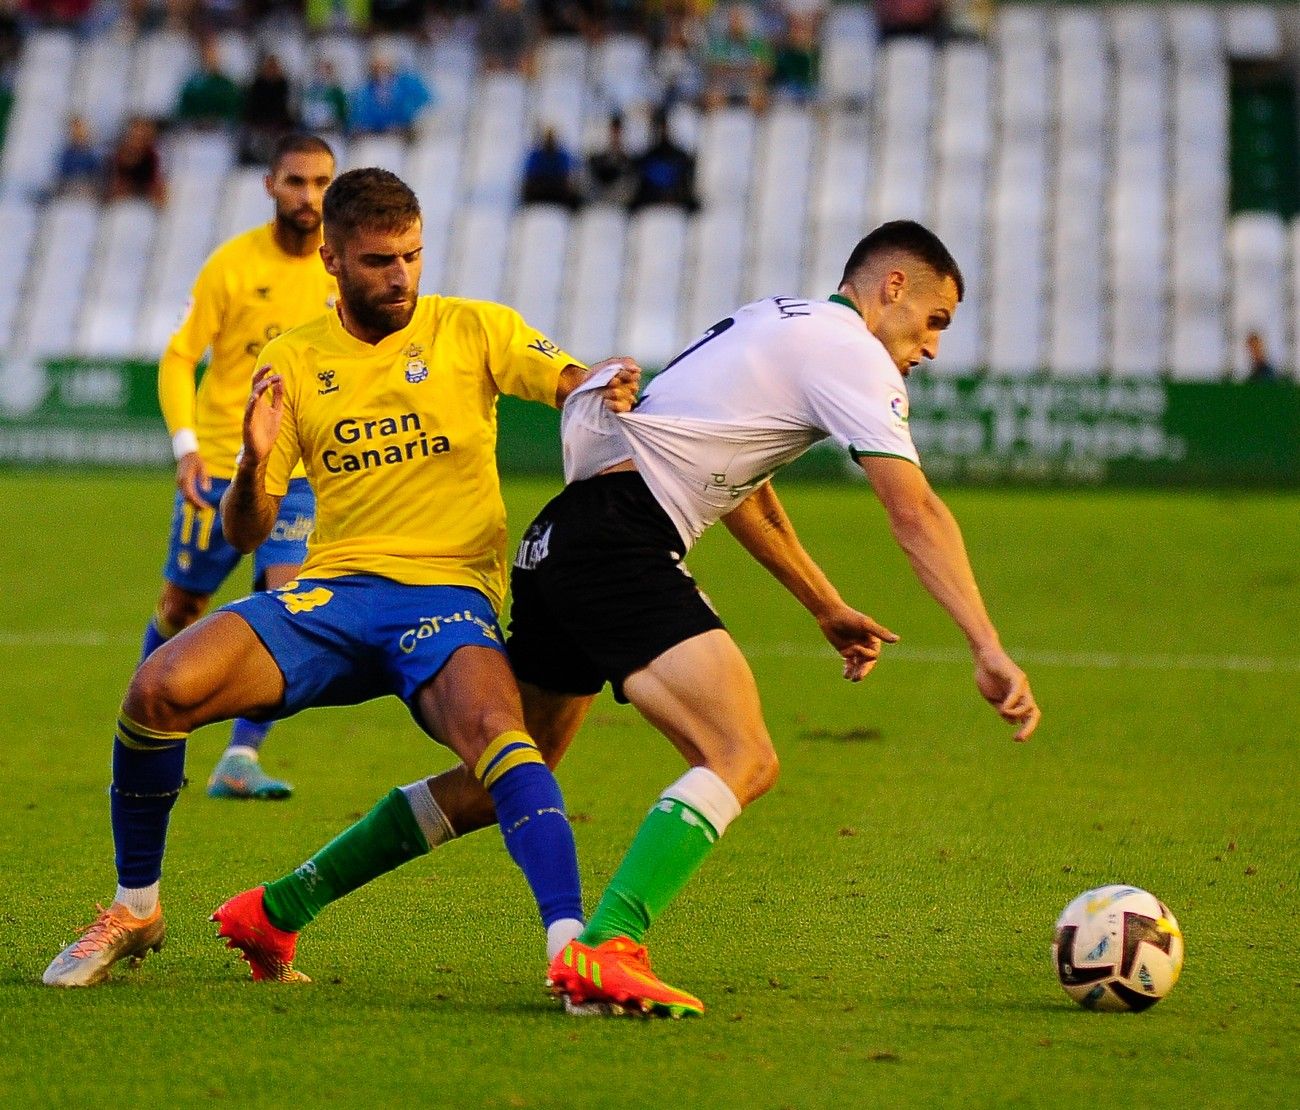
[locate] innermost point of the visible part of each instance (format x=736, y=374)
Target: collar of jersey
x=836, y=298
x=389, y=342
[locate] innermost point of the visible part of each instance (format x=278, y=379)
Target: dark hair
x=371, y=198
x=910, y=238
x=297, y=142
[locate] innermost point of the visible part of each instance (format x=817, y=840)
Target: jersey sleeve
x=857, y=397
x=288, y=449
x=198, y=329
x=521, y=360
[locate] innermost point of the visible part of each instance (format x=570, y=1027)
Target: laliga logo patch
x=898, y=406
x=416, y=370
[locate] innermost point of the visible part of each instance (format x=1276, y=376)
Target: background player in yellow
x=390, y=403
x=253, y=287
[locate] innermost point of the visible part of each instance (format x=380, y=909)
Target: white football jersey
x=750, y=395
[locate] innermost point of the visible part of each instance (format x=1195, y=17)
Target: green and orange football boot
x=615, y=973
x=267, y=950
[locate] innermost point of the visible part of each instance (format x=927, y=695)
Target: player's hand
x=191, y=477
x=620, y=392
x=263, y=413
x=857, y=637
x=1006, y=687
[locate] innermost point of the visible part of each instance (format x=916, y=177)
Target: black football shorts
x=598, y=588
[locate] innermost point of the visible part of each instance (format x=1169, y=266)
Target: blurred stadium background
x=1118, y=181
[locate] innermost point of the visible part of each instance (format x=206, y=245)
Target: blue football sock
x=248, y=734
x=146, y=783
x=530, y=812
x=153, y=639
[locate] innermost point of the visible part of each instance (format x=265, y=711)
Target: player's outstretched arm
x=762, y=528
x=929, y=536
x=248, y=512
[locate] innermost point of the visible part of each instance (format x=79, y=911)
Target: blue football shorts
x=341, y=641
x=198, y=557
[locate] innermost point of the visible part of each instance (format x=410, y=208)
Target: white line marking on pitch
x=1076, y=660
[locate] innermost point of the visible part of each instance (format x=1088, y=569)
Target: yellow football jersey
x=399, y=439
x=248, y=292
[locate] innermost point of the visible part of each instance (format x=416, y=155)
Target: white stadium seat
x=497, y=141
x=476, y=266
x=848, y=54
x=726, y=157
x=717, y=255
x=650, y=330
x=780, y=203
x=1253, y=32
x=244, y=205
x=589, y=318
x=535, y=283
x=1260, y=300
x=162, y=62
x=36, y=129
x=841, y=182
x=111, y=302
x=67, y=235
x=18, y=221
x=99, y=93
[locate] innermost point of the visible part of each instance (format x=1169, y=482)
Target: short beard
x=290, y=223
x=372, y=317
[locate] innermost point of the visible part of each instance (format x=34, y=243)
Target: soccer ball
x=1117, y=948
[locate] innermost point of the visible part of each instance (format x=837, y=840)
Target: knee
x=752, y=772
x=765, y=769
x=156, y=698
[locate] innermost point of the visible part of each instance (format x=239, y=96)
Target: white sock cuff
x=141, y=901
x=708, y=795
x=428, y=814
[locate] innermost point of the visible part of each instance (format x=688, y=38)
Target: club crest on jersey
x=416, y=369
x=326, y=379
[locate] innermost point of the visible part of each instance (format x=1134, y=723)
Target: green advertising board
x=981, y=430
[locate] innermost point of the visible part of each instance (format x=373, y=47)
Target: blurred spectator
x=59, y=13
x=550, y=172
x=507, y=36
x=910, y=17
x=338, y=15
x=149, y=15
x=389, y=100
x=665, y=172
x=677, y=62
x=81, y=166
x=135, y=169
x=267, y=112
x=219, y=15
x=611, y=171
x=796, y=60
x=11, y=39
x=209, y=98
x=737, y=62
x=324, y=103
x=1261, y=366
x=397, y=16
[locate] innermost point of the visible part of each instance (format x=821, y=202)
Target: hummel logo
x=326, y=379
x=263, y=291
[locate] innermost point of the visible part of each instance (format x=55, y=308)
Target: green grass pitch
x=875, y=932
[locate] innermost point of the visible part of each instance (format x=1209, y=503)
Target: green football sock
x=668, y=848
x=386, y=837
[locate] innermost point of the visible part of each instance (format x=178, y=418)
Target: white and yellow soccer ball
x=1117, y=948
